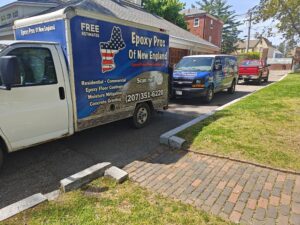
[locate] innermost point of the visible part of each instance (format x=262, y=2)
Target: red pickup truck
x=254, y=70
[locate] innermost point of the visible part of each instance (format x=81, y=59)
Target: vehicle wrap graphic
x=130, y=67
x=53, y=31
x=115, y=66
x=110, y=49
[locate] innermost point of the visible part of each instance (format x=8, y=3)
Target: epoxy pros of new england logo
x=110, y=48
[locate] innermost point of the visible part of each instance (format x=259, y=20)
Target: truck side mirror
x=9, y=71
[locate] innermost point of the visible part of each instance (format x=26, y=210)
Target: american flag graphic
x=110, y=49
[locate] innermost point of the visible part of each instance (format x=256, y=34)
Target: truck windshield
x=194, y=63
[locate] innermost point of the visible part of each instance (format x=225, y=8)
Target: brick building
x=204, y=25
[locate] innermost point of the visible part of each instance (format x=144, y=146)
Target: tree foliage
x=285, y=13
x=249, y=55
x=223, y=11
x=168, y=9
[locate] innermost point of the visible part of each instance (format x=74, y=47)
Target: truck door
x=229, y=71
x=218, y=73
x=36, y=109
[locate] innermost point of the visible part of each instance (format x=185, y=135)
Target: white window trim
x=198, y=24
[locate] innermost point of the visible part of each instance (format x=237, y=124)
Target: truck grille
x=182, y=84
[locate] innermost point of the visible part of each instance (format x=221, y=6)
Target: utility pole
x=249, y=32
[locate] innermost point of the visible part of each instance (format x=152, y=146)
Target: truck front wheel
x=142, y=115
x=231, y=90
x=209, y=95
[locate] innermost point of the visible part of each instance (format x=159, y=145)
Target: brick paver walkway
x=235, y=191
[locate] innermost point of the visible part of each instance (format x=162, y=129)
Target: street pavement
x=40, y=168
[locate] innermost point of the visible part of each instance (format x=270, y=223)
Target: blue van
x=204, y=75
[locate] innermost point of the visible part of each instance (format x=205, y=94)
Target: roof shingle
x=130, y=12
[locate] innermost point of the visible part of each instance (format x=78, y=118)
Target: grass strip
x=262, y=128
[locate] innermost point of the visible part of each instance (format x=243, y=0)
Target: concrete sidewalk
x=236, y=191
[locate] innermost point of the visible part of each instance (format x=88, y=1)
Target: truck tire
x=259, y=80
x=209, y=95
x=142, y=115
x=266, y=79
x=231, y=90
x=1, y=157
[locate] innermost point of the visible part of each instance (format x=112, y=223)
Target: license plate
x=178, y=92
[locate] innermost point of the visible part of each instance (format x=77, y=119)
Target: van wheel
x=231, y=90
x=1, y=157
x=209, y=95
x=142, y=115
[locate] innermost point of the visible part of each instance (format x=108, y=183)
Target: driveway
x=39, y=169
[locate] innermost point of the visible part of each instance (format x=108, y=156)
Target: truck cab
x=35, y=101
x=204, y=75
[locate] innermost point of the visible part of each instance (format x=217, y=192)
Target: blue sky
x=240, y=6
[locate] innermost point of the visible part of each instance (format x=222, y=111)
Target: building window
x=15, y=14
x=211, y=24
x=196, y=22
x=209, y=38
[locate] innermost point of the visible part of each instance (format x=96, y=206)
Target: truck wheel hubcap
x=142, y=115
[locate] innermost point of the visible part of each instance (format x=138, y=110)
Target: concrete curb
x=70, y=183
x=21, y=206
x=117, y=174
x=83, y=177
x=170, y=139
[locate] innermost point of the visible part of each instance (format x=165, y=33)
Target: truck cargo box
x=113, y=64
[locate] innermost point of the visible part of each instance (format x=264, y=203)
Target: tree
x=223, y=11
x=285, y=13
x=286, y=47
x=168, y=9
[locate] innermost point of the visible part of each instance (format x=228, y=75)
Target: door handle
x=62, y=94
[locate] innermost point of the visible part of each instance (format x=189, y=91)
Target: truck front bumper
x=189, y=92
x=248, y=77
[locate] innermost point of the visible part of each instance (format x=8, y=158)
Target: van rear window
x=250, y=63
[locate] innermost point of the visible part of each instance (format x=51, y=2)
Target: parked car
x=204, y=75
x=254, y=70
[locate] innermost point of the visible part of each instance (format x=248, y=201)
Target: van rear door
x=36, y=109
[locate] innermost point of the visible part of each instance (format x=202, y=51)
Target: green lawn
x=263, y=128
x=105, y=202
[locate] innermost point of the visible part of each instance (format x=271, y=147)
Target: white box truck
x=71, y=70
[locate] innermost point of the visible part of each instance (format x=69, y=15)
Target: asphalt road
x=39, y=169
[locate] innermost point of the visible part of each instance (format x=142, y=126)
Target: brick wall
x=205, y=29
x=176, y=55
